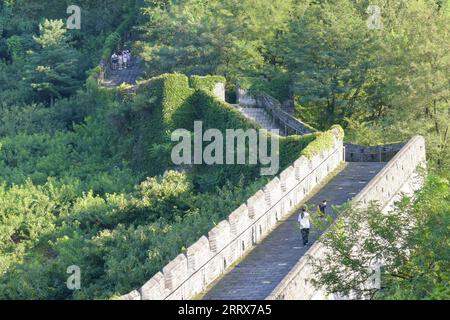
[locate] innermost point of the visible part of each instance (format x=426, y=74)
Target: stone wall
x=191, y=272
x=244, y=99
x=288, y=123
x=219, y=91
x=381, y=153
x=399, y=175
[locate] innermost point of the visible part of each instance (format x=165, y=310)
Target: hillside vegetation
x=85, y=172
x=95, y=196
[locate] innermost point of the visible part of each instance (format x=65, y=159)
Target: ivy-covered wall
x=207, y=83
x=170, y=102
x=323, y=141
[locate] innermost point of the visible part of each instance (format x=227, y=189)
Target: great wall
x=256, y=252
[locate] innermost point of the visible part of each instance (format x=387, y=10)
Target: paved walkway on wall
x=115, y=78
x=259, y=273
x=260, y=116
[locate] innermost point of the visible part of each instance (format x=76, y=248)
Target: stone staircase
x=260, y=116
x=255, y=277
x=288, y=107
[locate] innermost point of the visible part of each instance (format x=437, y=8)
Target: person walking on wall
x=303, y=220
x=120, y=61
x=128, y=55
x=114, y=61
x=323, y=207
x=125, y=59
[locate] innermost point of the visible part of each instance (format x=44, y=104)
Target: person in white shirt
x=120, y=61
x=303, y=220
x=114, y=61
x=129, y=57
x=125, y=59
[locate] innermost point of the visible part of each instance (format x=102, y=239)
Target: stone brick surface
x=398, y=176
x=154, y=289
x=271, y=260
x=175, y=272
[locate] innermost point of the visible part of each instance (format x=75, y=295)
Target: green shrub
x=112, y=43
x=292, y=147
x=254, y=84
x=277, y=87
x=339, y=130
x=177, y=111
x=323, y=141
x=97, y=192
x=207, y=83
x=92, y=79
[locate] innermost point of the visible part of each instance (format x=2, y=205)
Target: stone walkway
x=259, y=273
x=115, y=78
x=260, y=116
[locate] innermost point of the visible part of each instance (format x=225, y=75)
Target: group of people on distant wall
x=121, y=60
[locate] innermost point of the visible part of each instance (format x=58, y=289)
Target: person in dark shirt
x=323, y=207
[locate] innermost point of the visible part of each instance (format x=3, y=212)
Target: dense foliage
x=78, y=194
x=414, y=259
x=381, y=85
x=85, y=176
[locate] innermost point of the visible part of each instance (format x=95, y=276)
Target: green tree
x=413, y=259
x=330, y=53
x=422, y=71
x=53, y=70
x=211, y=37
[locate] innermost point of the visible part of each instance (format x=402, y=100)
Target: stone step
x=260, y=116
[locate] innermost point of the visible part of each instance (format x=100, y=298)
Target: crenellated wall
x=400, y=175
x=380, y=153
x=192, y=272
x=395, y=174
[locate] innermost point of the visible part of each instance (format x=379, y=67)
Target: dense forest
x=85, y=173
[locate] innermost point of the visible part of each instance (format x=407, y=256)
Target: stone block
x=219, y=91
x=154, y=289
x=133, y=295
x=176, y=272
x=239, y=220
x=198, y=254
x=219, y=236
x=257, y=205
